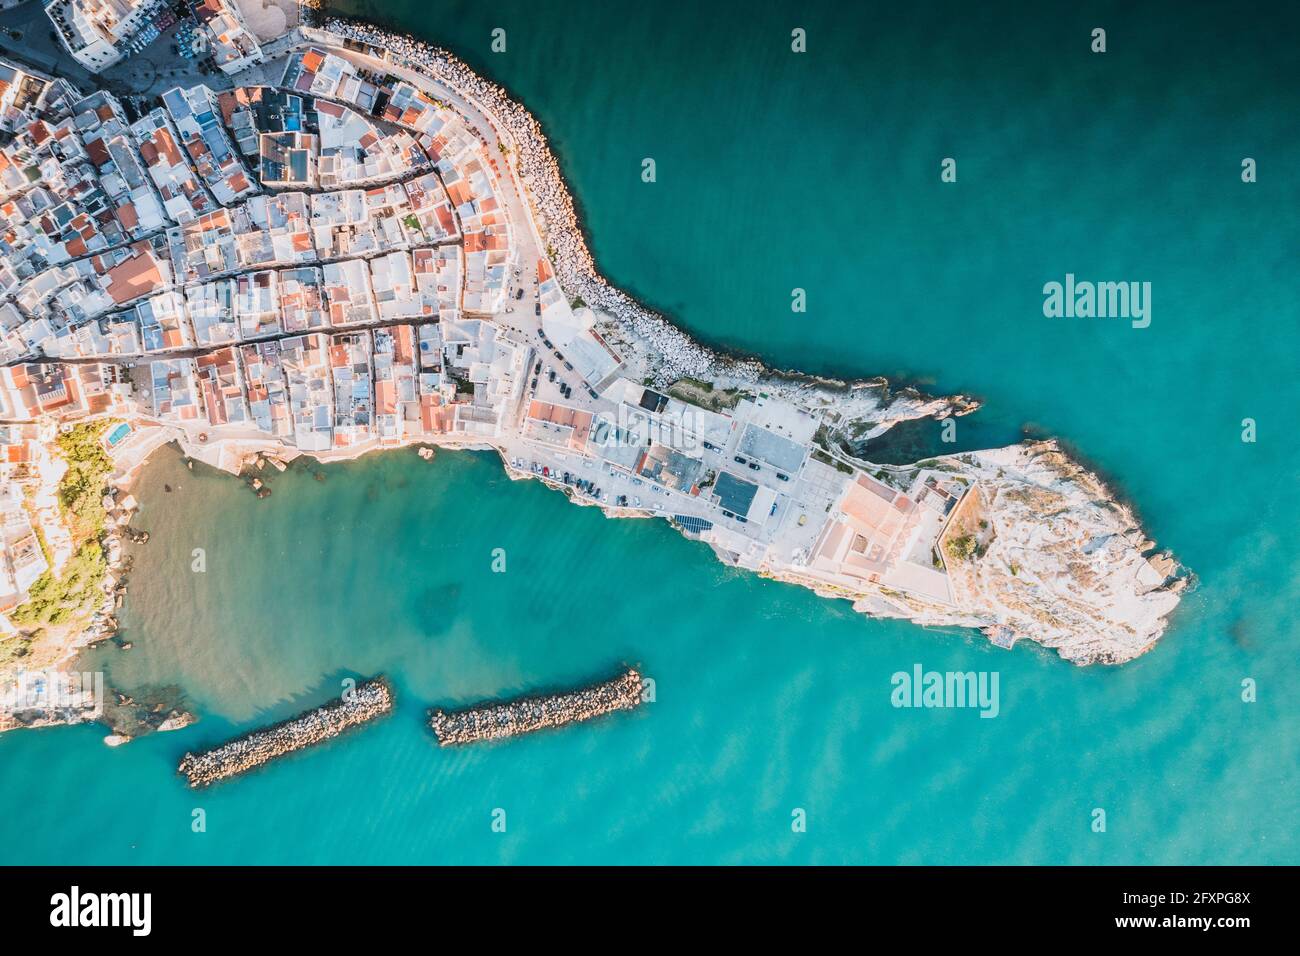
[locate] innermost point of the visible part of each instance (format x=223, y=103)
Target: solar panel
x=693, y=524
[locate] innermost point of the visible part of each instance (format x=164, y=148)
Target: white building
x=97, y=32
x=231, y=43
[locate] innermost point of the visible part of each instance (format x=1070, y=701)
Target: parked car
x=740, y=461
x=519, y=294
x=709, y=446
x=783, y=477
x=754, y=466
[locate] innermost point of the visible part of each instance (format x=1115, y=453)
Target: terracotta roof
x=133, y=278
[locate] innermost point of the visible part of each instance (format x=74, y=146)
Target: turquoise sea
x=774, y=171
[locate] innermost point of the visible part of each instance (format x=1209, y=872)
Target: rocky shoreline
x=370, y=700
x=525, y=715
x=666, y=353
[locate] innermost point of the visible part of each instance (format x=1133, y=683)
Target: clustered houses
x=311, y=261
x=23, y=95
x=101, y=33
x=231, y=44
x=21, y=560
x=196, y=116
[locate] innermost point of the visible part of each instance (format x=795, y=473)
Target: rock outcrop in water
x=1051, y=555
x=494, y=721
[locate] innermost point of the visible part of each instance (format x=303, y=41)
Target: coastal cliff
x=1041, y=549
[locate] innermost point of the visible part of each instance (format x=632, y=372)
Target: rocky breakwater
x=651, y=345
x=494, y=721
x=367, y=701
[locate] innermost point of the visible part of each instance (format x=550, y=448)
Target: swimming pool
x=118, y=434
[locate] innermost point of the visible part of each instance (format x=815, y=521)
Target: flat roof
x=734, y=494
x=779, y=452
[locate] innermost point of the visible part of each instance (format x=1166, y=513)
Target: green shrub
x=962, y=548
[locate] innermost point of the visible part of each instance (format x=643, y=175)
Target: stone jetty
x=493, y=721
x=369, y=700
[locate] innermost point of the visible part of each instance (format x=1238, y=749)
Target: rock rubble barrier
x=648, y=342
x=495, y=721
x=538, y=169
x=369, y=700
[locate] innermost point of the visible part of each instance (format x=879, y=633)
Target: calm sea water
x=777, y=171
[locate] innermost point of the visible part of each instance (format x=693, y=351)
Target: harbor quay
x=370, y=700
x=524, y=715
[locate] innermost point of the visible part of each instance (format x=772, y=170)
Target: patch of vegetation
x=54, y=601
x=75, y=593
x=702, y=394
x=701, y=384
x=463, y=385
x=962, y=548
x=81, y=489
x=835, y=463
